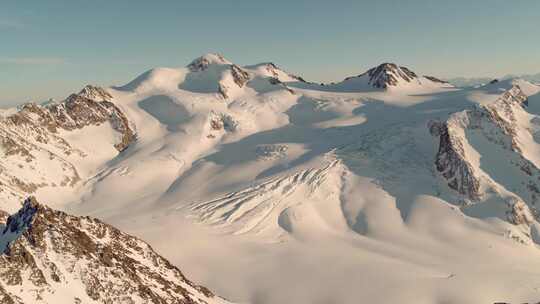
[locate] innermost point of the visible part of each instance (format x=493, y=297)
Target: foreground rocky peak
x=49, y=257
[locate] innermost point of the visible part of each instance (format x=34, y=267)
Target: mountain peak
x=389, y=74
x=392, y=76
x=95, y=93
x=202, y=62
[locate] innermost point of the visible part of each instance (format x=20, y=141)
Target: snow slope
x=267, y=188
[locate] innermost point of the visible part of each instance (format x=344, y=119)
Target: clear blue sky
x=49, y=48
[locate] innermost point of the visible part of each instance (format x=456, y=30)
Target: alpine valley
x=386, y=187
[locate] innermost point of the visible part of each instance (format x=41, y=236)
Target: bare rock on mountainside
x=391, y=76
x=276, y=71
x=36, y=136
x=95, y=93
x=498, y=125
x=202, y=63
x=435, y=79
x=387, y=74
x=240, y=78
x=451, y=161
x=77, y=111
x=49, y=256
x=222, y=121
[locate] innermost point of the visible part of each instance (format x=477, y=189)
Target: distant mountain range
x=475, y=81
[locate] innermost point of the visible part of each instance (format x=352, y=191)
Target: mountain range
x=385, y=187
x=477, y=81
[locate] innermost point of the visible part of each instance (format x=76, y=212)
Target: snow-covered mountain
x=249, y=178
x=477, y=81
x=52, y=147
x=390, y=76
x=502, y=133
x=52, y=257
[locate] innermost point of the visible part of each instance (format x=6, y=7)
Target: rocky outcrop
x=76, y=112
x=240, y=78
x=388, y=75
x=35, y=139
x=276, y=81
x=202, y=63
x=451, y=161
x=435, y=79
x=47, y=255
x=275, y=71
x=95, y=93
x=502, y=113
x=498, y=124
x=222, y=121
x=496, y=121
x=518, y=212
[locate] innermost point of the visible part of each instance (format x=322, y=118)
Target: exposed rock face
x=239, y=76
x=388, y=75
x=503, y=112
x=35, y=137
x=76, y=112
x=519, y=213
x=275, y=71
x=451, y=161
x=222, y=121
x=95, y=93
x=276, y=81
x=497, y=123
x=202, y=63
x=435, y=79
x=47, y=255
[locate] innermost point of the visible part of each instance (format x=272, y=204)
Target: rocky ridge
x=389, y=75
x=48, y=255
x=499, y=123
x=35, y=136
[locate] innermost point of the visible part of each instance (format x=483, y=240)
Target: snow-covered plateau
x=386, y=187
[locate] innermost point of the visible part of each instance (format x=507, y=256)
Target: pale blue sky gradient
x=50, y=48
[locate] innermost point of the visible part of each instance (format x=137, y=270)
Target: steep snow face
x=390, y=76
x=52, y=257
